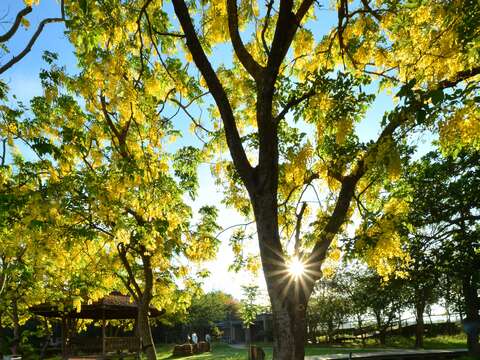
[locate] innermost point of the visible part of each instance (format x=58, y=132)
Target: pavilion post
x=104, y=352
x=64, y=337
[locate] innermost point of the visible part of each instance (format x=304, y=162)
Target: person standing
x=195, y=338
x=208, y=340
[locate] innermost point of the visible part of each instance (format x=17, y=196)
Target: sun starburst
x=296, y=267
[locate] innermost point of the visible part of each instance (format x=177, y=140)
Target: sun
x=296, y=267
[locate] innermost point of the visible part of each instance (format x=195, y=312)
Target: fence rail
x=411, y=320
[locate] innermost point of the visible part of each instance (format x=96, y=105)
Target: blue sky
x=24, y=82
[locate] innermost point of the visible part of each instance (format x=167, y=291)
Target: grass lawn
x=438, y=342
x=225, y=352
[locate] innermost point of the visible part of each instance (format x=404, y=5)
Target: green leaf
x=83, y=5
x=437, y=96
x=421, y=115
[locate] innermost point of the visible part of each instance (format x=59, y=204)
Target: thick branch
x=138, y=218
x=122, y=251
x=285, y=31
x=285, y=26
x=16, y=24
x=218, y=92
x=4, y=151
x=347, y=191
x=127, y=284
x=247, y=60
x=335, y=221
x=148, y=275
x=461, y=76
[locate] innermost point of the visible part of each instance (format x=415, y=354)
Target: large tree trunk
x=289, y=329
x=144, y=330
x=143, y=297
x=288, y=297
x=472, y=320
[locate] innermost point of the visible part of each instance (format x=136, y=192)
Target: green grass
x=438, y=342
x=219, y=351
x=225, y=352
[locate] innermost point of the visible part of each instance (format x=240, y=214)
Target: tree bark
x=382, y=329
x=145, y=332
x=248, y=341
x=420, y=327
x=472, y=319
x=383, y=336
x=145, y=298
x=360, y=328
x=288, y=297
x=289, y=328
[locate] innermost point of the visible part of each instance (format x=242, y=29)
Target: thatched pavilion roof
x=113, y=306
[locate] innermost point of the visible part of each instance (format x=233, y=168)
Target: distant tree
x=356, y=287
x=384, y=301
x=445, y=214
x=207, y=309
x=451, y=296
x=421, y=284
x=329, y=307
x=249, y=310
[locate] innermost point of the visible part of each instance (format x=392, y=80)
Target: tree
x=249, y=310
x=354, y=286
x=444, y=215
x=328, y=309
x=107, y=174
x=384, y=300
x=422, y=282
x=425, y=51
x=33, y=255
x=262, y=68
x=206, y=309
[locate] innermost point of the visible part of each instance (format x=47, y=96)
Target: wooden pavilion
x=113, y=306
